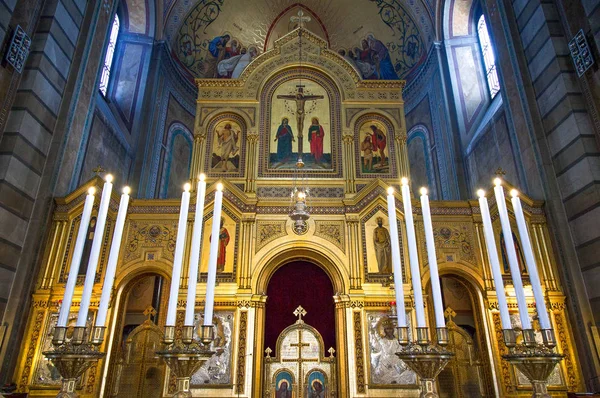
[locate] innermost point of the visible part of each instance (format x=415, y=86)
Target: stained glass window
x=108, y=59
x=488, y=57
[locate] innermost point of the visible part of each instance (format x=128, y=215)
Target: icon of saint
x=382, y=243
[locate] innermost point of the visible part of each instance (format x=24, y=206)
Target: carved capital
x=348, y=138
x=252, y=137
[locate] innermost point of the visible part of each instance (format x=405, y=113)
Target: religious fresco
x=316, y=385
x=46, y=373
x=227, y=244
x=226, y=147
x=217, y=370
x=374, y=148
x=201, y=34
x=284, y=382
x=220, y=57
x=385, y=367
x=300, y=126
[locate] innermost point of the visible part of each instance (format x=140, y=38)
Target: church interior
x=286, y=199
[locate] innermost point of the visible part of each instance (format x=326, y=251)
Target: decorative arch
x=176, y=130
x=316, y=23
x=211, y=142
x=311, y=251
x=421, y=133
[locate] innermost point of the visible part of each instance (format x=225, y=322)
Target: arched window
x=108, y=58
x=489, y=59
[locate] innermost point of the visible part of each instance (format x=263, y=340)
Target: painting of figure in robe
x=316, y=385
x=310, y=129
x=374, y=148
x=283, y=385
x=379, y=252
x=386, y=367
x=372, y=59
x=226, y=143
x=225, y=257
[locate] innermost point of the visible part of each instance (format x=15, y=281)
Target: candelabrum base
x=184, y=360
x=71, y=361
x=537, y=364
x=427, y=361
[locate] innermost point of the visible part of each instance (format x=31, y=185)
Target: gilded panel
x=385, y=368
x=144, y=235
x=226, y=145
x=217, y=370
x=227, y=259
x=376, y=247
x=333, y=231
x=268, y=231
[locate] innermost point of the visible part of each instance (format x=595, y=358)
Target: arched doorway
x=300, y=283
x=135, y=370
x=469, y=372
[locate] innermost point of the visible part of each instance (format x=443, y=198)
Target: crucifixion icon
x=300, y=99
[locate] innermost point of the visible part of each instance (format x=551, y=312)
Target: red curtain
x=300, y=283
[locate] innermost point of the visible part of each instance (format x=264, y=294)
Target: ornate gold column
x=258, y=302
x=246, y=250
x=402, y=155
x=197, y=154
x=57, y=244
x=487, y=280
x=349, y=175
x=544, y=256
x=341, y=303
x=252, y=158
x=352, y=221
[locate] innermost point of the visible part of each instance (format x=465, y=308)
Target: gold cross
x=300, y=312
x=149, y=312
x=449, y=313
x=500, y=172
x=300, y=19
x=99, y=169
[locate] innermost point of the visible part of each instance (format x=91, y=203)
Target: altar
x=299, y=312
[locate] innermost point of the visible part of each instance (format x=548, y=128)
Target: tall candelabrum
x=73, y=355
x=535, y=360
x=185, y=355
x=426, y=356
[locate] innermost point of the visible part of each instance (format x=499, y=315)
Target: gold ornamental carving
x=359, y=350
x=333, y=231
x=241, y=360
x=32, y=346
x=561, y=331
x=148, y=234
x=502, y=350
x=268, y=231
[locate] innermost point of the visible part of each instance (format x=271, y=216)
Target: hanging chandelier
x=299, y=209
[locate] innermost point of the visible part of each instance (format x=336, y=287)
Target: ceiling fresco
x=382, y=39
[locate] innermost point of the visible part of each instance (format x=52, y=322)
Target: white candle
x=84, y=224
x=212, y=259
x=490, y=242
x=415, y=272
x=398, y=283
x=113, y=257
x=511, y=254
x=90, y=274
x=195, y=253
x=178, y=257
x=438, y=306
x=534, y=277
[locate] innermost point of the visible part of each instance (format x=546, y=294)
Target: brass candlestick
x=536, y=361
x=72, y=358
x=425, y=357
x=185, y=356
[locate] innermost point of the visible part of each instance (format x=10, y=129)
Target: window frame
x=490, y=72
x=109, y=50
